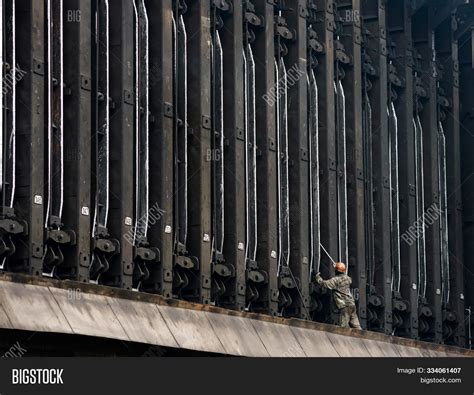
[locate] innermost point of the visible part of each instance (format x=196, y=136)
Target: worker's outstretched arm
x=332, y=283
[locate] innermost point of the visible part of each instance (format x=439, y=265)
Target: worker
x=340, y=287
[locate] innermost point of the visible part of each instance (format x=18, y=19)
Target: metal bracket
x=128, y=97
x=271, y=144
x=304, y=155
x=85, y=83
x=223, y=5
x=303, y=12
x=206, y=122
x=240, y=134
x=168, y=110
x=38, y=67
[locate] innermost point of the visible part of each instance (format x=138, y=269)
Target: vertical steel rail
x=367, y=127
x=3, y=100
x=236, y=243
x=10, y=226
x=342, y=61
x=221, y=270
x=146, y=257
x=142, y=126
x=78, y=24
x=466, y=139
x=351, y=38
x=420, y=192
x=449, y=57
x=102, y=117
x=55, y=122
x=327, y=141
x=342, y=172
x=255, y=276
x=264, y=51
x=314, y=222
x=30, y=186
x=287, y=284
x=443, y=223
x=162, y=108
x=374, y=14
x=121, y=211
x=424, y=38
x=448, y=51
x=181, y=137
x=400, y=31
x=103, y=248
x=281, y=82
x=183, y=263
x=299, y=156
x=58, y=239
x=197, y=19
x=11, y=75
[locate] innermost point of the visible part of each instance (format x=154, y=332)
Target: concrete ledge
x=43, y=305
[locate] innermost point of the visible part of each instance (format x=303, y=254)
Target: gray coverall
x=340, y=288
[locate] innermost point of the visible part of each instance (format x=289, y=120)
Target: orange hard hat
x=340, y=267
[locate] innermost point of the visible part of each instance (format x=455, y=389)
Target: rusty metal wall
x=224, y=152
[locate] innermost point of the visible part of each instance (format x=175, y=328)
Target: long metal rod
x=282, y=166
x=394, y=207
x=8, y=106
x=445, y=264
x=55, y=104
x=49, y=108
x=101, y=211
x=278, y=151
x=421, y=207
x=327, y=253
x=142, y=120
x=12, y=140
x=58, y=101
x=218, y=144
x=342, y=184
x=284, y=169
x=367, y=131
x=315, y=237
x=2, y=106
x=145, y=117
x=251, y=153
x=181, y=140
x=136, y=123
x=247, y=158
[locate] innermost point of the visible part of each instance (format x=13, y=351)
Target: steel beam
x=447, y=47
x=235, y=238
x=161, y=158
x=328, y=177
x=298, y=151
x=380, y=298
x=267, y=214
x=400, y=31
x=424, y=37
x=198, y=23
x=351, y=38
x=121, y=142
x=466, y=117
x=30, y=115
x=12, y=228
x=77, y=136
